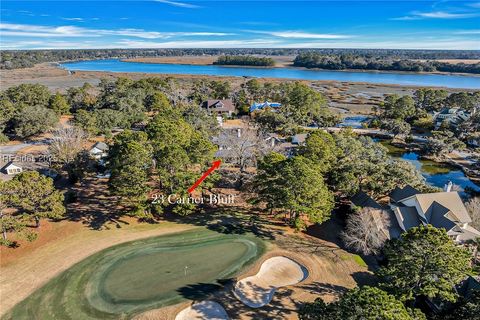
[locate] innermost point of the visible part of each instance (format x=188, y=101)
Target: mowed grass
x=133, y=277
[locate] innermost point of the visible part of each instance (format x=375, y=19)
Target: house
x=408, y=208
x=99, y=150
x=11, y=169
x=440, y=209
x=299, y=139
x=274, y=139
x=259, y=106
x=451, y=116
x=219, y=107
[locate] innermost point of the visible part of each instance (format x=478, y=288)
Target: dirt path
x=31, y=266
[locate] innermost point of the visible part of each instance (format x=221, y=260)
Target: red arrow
x=214, y=166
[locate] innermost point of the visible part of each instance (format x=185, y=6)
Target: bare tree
x=473, y=208
x=366, y=230
x=243, y=146
x=66, y=144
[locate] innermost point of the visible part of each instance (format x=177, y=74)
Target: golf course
x=136, y=276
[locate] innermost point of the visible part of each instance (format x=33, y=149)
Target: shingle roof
x=438, y=218
x=449, y=200
x=8, y=165
x=469, y=233
x=409, y=217
x=468, y=286
x=399, y=194
x=227, y=105
x=101, y=146
x=361, y=199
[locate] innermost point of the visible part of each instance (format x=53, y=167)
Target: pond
x=355, y=122
x=435, y=173
x=410, y=79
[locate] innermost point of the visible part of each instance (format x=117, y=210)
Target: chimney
x=448, y=186
x=239, y=133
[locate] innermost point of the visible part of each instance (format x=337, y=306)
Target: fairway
x=133, y=277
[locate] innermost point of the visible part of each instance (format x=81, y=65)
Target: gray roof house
x=453, y=116
x=224, y=106
x=408, y=208
x=440, y=209
x=99, y=150
x=299, y=139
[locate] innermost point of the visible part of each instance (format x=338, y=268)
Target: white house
x=99, y=150
x=11, y=169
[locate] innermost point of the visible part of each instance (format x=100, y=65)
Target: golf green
x=129, y=278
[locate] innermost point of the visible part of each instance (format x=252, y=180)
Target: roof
x=219, y=105
x=10, y=165
x=439, y=217
x=101, y=146
x=261, y=105
x=394, y=230
x=399, y=194
x=361, y=199
x=299, y=138
x=468, y=233
x=408, y=216
x=450, y=200
x=468, y=286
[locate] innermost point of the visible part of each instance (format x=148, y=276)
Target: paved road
x=12, y=149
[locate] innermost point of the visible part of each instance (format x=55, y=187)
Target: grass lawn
x=132, y=277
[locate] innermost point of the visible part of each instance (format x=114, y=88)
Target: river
x=407, y=79
x=435, y=174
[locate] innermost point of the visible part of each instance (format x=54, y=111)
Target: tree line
x=399, y=114
x=13, y=59
x=245, y=61
x=359, y=62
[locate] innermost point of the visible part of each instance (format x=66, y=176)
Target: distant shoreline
x=280, y=62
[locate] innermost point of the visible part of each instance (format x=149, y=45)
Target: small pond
x=355, y=122
x=435, y=173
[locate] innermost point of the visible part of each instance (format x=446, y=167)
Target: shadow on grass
x=202, y=291
x=94, y=206
x=228, y=220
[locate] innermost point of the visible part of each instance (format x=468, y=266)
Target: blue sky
x=232, y=24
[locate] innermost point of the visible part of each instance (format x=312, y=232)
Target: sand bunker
x=204, y=310
x=276, y=272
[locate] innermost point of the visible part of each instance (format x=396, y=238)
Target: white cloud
x=257, y=43
x=179, y=4
x=301, y=35
x=474, y=5
x=441, y=44
x=436, y=15
x=73, y=19
x=22, y=30
x=305, y=35
x=468, y=32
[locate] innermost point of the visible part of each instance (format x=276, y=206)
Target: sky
x=240, y=24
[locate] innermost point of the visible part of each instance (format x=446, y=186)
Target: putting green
x=129, y=278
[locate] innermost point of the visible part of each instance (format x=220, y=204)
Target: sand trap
x=276, y=272
x=205, y=310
